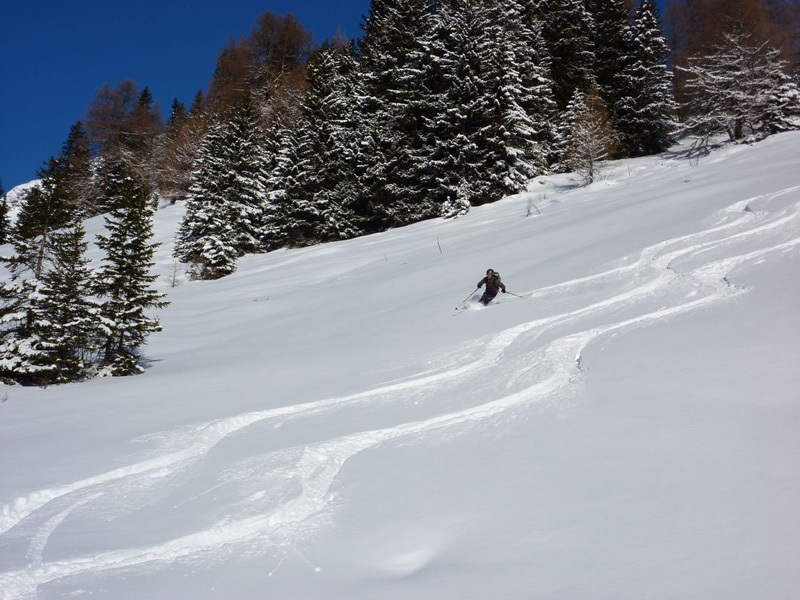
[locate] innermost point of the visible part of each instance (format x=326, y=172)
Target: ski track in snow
x=539, y=369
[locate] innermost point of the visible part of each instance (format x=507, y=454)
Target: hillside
x=324, y=425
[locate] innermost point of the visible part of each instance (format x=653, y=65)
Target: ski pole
x=470, y=294
x=517, y=295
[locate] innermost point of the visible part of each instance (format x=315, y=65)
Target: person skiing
x=493, y=284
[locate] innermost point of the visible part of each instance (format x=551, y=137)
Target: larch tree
x=734, y=88
x=592, y=136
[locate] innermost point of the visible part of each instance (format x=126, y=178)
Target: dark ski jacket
x=493, y=285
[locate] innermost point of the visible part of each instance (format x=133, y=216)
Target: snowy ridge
x=273, y=499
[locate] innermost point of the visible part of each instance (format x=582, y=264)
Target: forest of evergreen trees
x=440, y=106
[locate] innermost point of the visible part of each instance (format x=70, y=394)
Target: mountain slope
x=323, y=424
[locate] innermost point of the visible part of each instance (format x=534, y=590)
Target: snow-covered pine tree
x=225, y=208
x=645, y=103
x=734, y=87
x=525, y=96
x=78, y=172
x=563, y=139
x=459, y=54
x=395, y=63
x=124, y=279
x=313, y=157
x=610, y=19
x=47, y=209
x=207, y=236
x=568, y=31
x=783, y=113
x=245, y=180
x=340, y=186
x=63, y=320
x=21, y=351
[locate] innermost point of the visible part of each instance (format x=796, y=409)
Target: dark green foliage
x=610, y=47
x=310, y=203
x=645, y=105
x=63, y=319
x=124, y=280
x=46, y=208
x=568, y=31
x=397, y=104
x=225, y=207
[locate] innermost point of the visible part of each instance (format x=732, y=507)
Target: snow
x=323, y=423
x=15, y=197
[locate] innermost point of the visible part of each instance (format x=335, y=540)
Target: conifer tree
x=245, y=177
x=610, y=19
x=568, y=31
x=395, y=62
x=645, y=104
x=225, y=207
x=63, y=319
x=124, y=280
x=46, y=208
x=206, y=238
x=467, y=153
x=76, y=155
x=525, y=95
x=313, y=160
x=21, y=350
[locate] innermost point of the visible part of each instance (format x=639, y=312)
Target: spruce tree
x=395, y=62
x=21, y=349
x=610, y=19
x=124, y=279
x=225, y=208
x=244, y=182
x=568, y=31
x=466, y=62
x=78, y=176
x=206, y=238
x=525, y=96
x=313, y=159
x=45, y=210
x=63, y=319
x=645, y=105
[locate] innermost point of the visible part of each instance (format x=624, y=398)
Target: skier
x=493, y=283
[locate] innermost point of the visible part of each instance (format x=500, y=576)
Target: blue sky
x=56, y=54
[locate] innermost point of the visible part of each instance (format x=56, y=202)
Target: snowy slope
x=324, y=425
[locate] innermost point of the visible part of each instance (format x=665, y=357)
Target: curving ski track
x=544, y=365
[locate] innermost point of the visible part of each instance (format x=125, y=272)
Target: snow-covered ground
x=324, y=425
